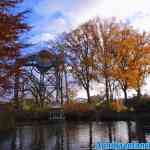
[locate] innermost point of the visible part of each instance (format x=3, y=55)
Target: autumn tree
x=80, y=52
x=105, y=33
x=12, y=26
x=109, y=51
x=130, y=59
x=122, y=56
x=141, y=60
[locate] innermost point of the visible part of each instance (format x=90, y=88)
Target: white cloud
x=59, y=25
x=142, y=23
x=77, y=12
x=138, y=11
x=49, y=31
x=43, y=37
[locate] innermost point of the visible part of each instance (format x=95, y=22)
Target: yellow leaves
x=132, y=55
x=87, y=61
x=131, y=76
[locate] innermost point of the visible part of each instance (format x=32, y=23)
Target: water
x=73, y=136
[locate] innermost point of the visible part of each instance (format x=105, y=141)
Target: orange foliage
x=118, y=106
x=11, y=28
x=131, y=57
x=77, y=107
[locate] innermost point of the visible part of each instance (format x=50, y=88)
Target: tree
x=130, y=59
x=11, y=28
x=122, y=68
x=141, y=60
x=80, y=52
x=106, y=31
x=122, y=56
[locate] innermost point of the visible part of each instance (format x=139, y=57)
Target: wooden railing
x=57, y=114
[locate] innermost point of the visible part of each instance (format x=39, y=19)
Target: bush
x=114, y=106
x=29, y=106
x=77, y=107
x=8, y=107
x=142, y=106
x=98, y=105
x=139, y=105
x=45, y=109
x=118, y=106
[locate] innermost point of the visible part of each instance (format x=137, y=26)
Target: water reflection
x=73, y=136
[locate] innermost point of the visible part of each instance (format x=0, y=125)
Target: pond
x=73, y=135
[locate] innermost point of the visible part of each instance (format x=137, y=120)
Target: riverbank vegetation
x=133, y=105
x=84, y=111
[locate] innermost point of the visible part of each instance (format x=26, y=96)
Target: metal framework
x=46, y=63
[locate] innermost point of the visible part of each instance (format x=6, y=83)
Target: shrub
x=118, y=106
x=77, y=107
x=98, y=105
x=29, y=106
x=114, y=106
x=139, y=105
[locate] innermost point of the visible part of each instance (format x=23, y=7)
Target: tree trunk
x=36, y=100
x=138, y=93
x=61, y=89
x=125, y=95
x=90, y=136
x=110, y=91
x=140, y=131
x=88, y=93
x=129, y=131
x=107, y=89
x=110, y=132
x=66, y=85
x=16, y=91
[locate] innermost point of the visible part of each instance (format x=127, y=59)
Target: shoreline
x=16, y=118
x=88, y=116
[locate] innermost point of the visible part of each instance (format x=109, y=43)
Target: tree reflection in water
x=38, y=138
x=140, y=131
x=90, y=136
x=73, y=136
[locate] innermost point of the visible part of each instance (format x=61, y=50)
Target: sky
x=50, y=18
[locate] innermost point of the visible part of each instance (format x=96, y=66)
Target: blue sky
x=50, y=18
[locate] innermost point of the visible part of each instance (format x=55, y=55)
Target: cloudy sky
x=52, y=17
